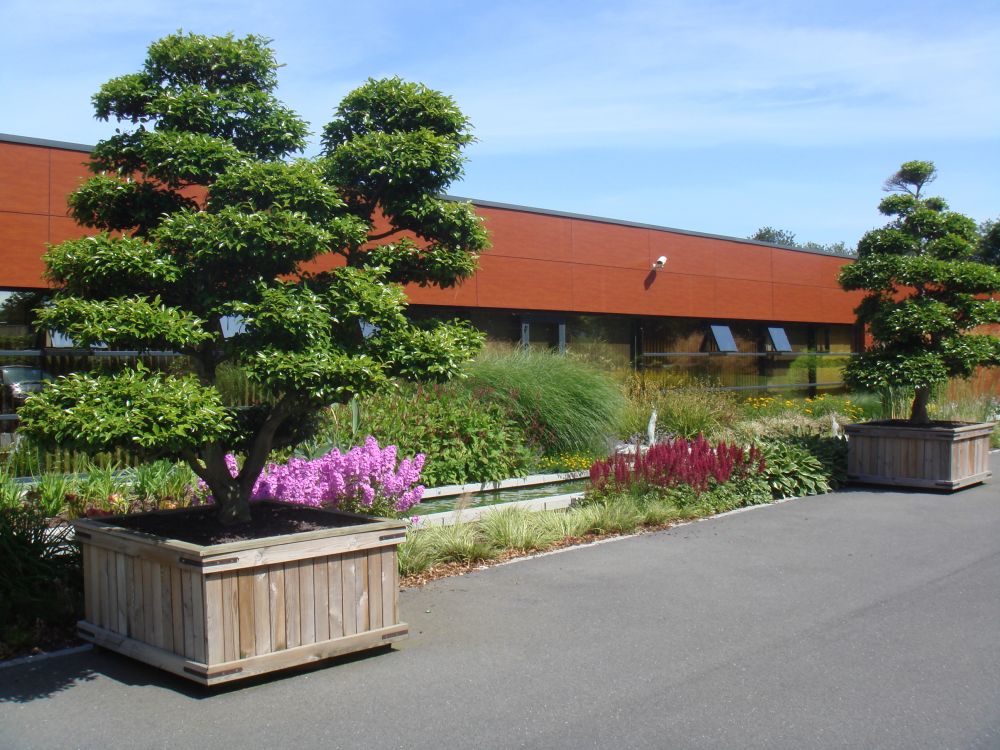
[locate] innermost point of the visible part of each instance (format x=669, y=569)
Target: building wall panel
x=24, y=179
x=464, y=294
x=599, y=244
x=519, y=235
x=684, y=256
x=539, y=261
x=816, y=304
x=68, y=169
x=523, y=283
x=22, y=242
x=742, y=298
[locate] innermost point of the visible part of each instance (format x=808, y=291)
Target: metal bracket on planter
x=206, y=563
x=387, y=537
x=204, y=673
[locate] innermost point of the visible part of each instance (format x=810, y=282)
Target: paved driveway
x=862, y=619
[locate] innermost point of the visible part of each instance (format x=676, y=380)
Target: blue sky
x=717, y=116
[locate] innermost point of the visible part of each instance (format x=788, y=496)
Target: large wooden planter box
x=937, y=456
x=228, y=611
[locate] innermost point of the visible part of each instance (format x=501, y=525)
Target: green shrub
x=41, y=581
x=460, y=543
x=790, y=470
x=562, y=404
x=465, y=439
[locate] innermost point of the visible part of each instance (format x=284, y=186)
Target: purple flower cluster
x=365, y=479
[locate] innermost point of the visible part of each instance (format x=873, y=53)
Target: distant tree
x=777, y=236
x=989, y=242
x=202, y=217
x=925, y=292
x=784, y=237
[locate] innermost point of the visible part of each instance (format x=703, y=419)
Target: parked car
x=20, y=381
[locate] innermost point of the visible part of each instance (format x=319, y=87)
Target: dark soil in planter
x=926, y=425
x=202, y=526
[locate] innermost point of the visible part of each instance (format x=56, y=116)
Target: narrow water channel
x=493, y=497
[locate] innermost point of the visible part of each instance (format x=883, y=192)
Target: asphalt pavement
x=861, y=619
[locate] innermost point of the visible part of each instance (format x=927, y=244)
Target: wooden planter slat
x=335, y=597
x=214, y=616
x=321, y=600
x=934, y=457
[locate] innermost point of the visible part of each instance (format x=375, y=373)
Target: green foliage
x=459, y=543
x=925, y=292
x=989, y=243
x=138, y=410
x=681, y=412
x=200, y=119
x=49, y=494
x=10, y=491
x=830, y=451
x=517, y=529
x=41, y=578
x=161, y=484
x=564, y=405
x=464, y=438
x=790, y=470
x=612, y=515
x=777, y=236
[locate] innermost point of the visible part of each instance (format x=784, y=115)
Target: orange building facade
x=731, y=312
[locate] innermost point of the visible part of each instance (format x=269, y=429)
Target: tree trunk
x=232, y=499
x=918, y=414
x=233, y=507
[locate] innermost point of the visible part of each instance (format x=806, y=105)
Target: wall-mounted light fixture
x=660, y=263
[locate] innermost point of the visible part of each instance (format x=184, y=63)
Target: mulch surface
x=201, y=526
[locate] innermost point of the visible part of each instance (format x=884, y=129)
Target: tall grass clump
x=563, y=405
x=517, y=529
x=681, y=412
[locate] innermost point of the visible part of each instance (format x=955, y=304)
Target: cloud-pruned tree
x=204, y=217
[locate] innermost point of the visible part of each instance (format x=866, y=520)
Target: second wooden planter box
x=939, y=456
x=228, y=611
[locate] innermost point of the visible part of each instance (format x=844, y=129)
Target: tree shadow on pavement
x=24, y=683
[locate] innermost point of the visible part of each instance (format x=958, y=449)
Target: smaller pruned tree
x=926, y=293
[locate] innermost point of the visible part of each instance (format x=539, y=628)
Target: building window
x=722, y=338
x=779, y=340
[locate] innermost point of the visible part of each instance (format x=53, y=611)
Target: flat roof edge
x=47, y=142
x=641, y=225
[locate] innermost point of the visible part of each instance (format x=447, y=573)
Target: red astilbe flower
x=696, y=463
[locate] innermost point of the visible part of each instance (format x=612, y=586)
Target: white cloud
x=707, y=77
